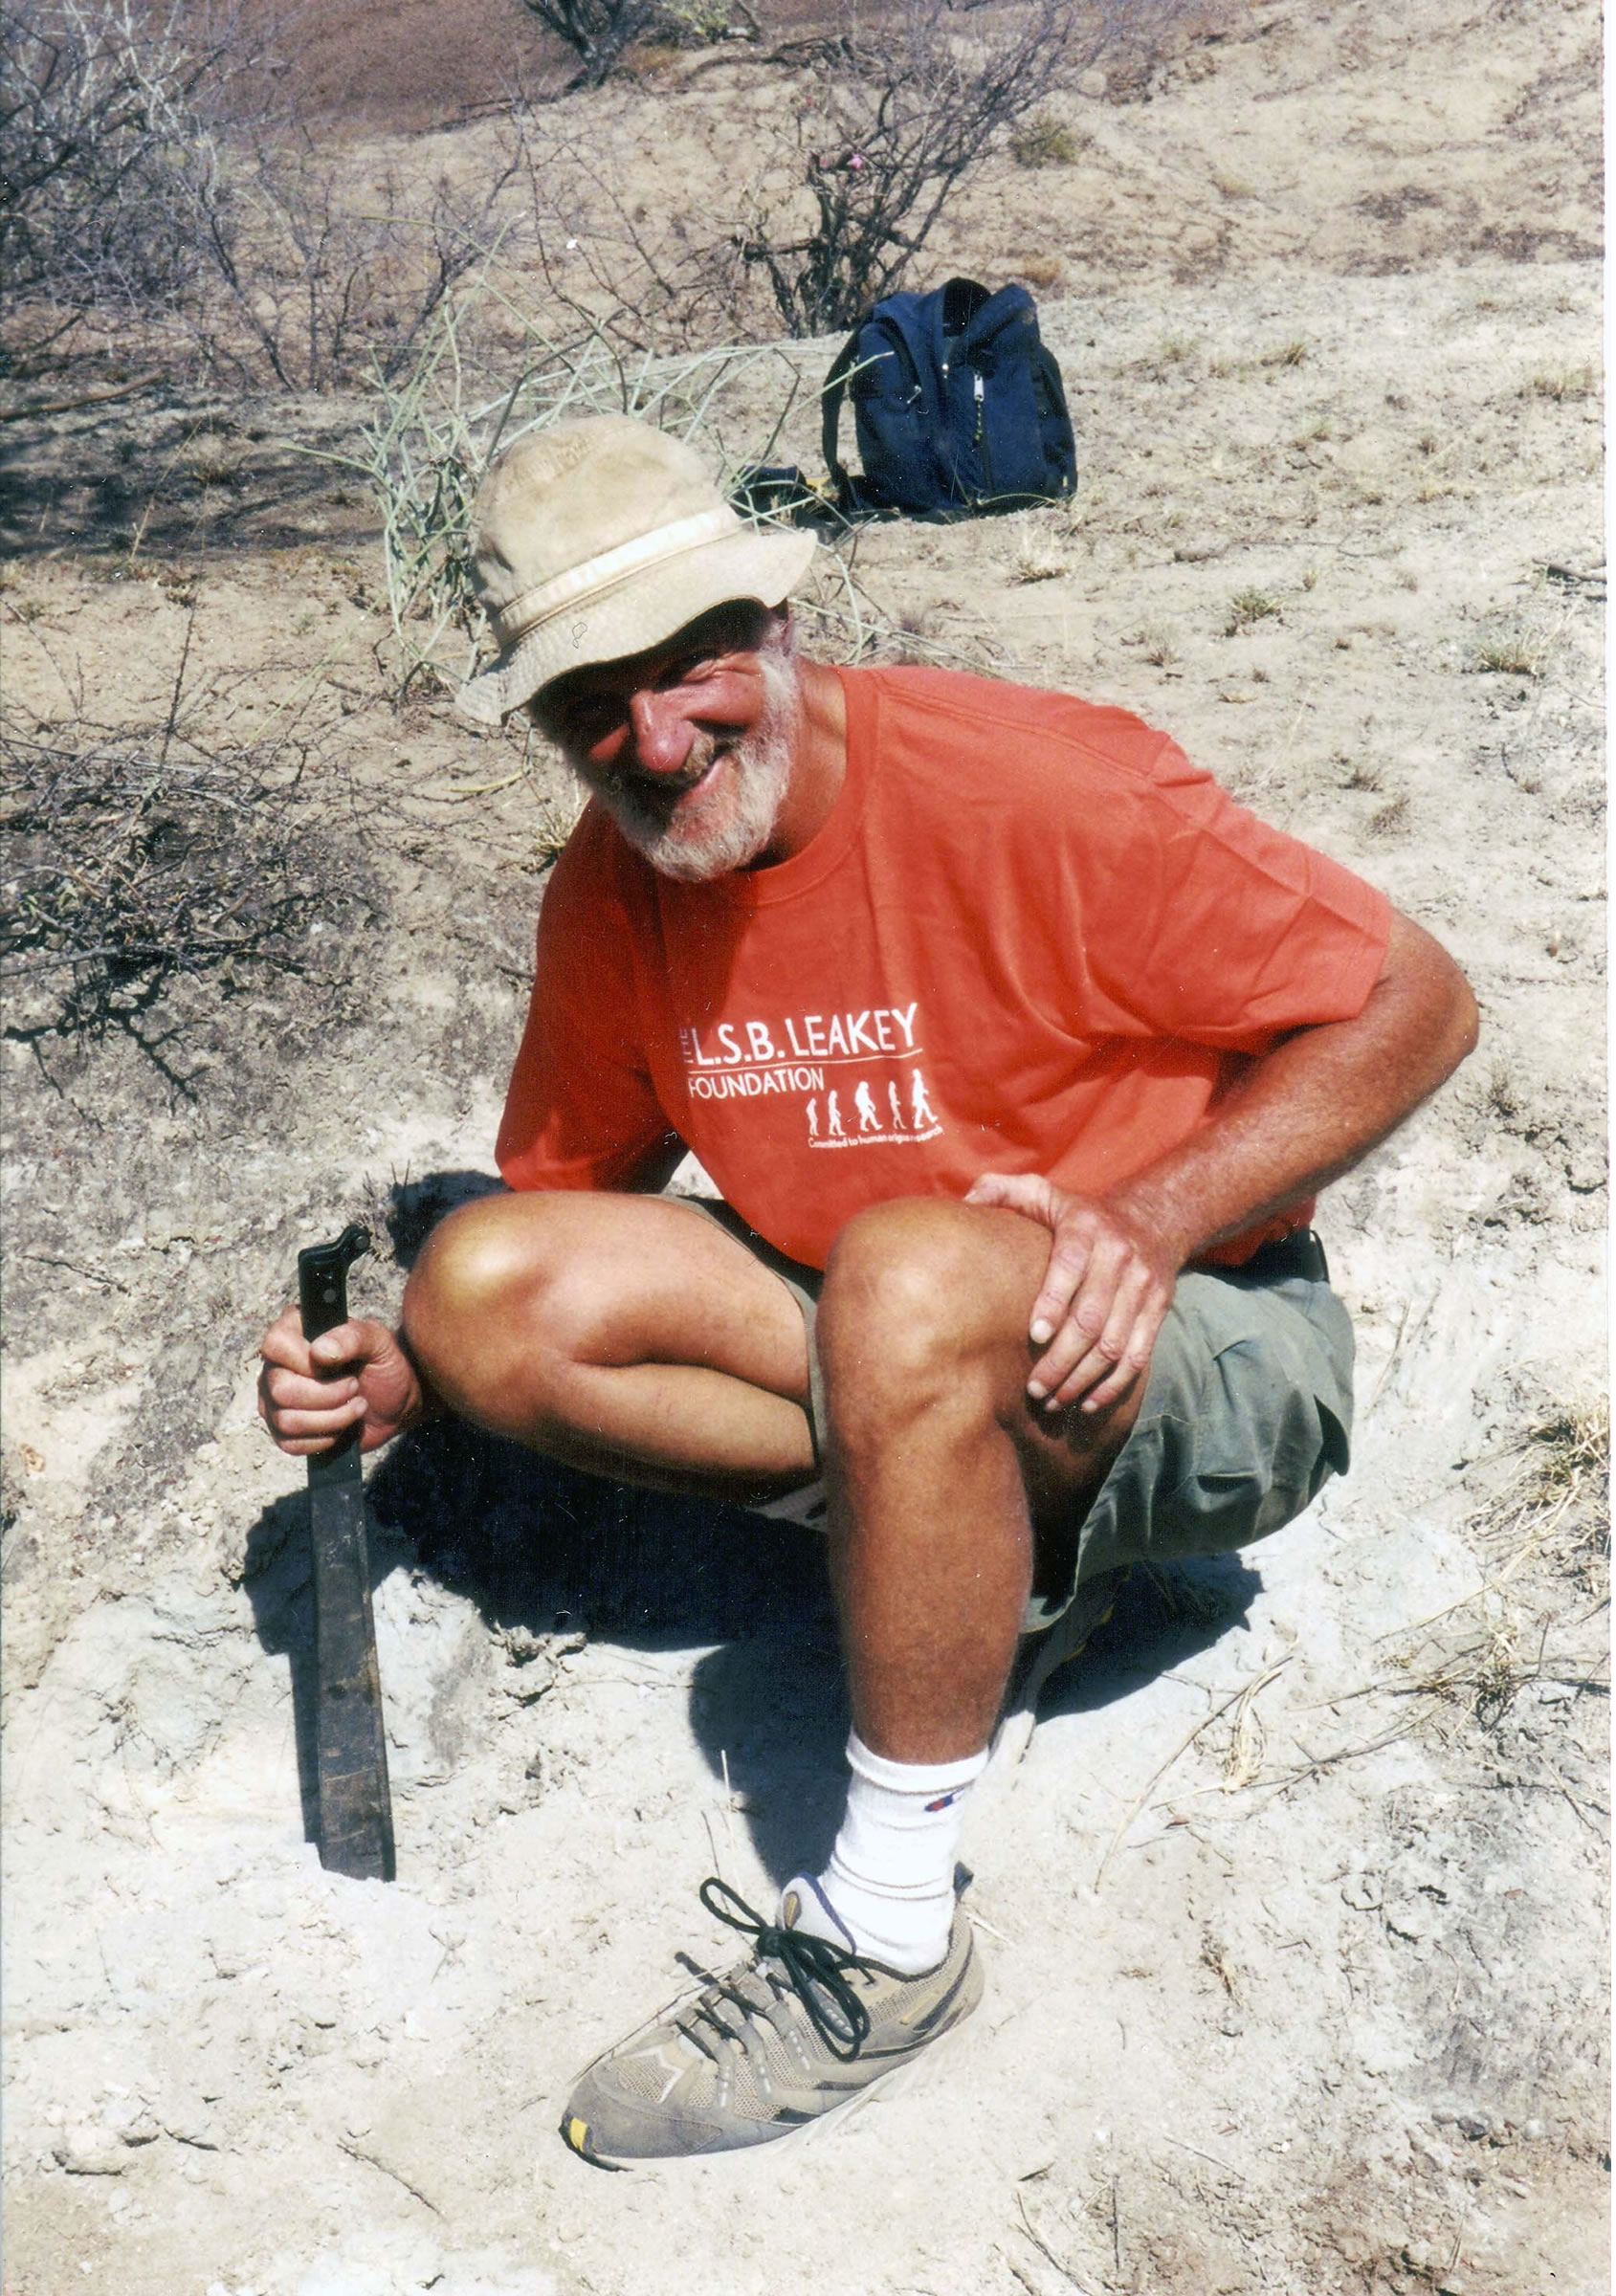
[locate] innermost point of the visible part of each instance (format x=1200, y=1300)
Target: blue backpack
x=958, y=406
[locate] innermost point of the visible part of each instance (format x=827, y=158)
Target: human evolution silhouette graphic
x=828, y=1126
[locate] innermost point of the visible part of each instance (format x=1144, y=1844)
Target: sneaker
x=1043, y=1654
x=799, y=2030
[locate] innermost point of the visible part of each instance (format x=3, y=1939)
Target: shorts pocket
x=1265, y=1444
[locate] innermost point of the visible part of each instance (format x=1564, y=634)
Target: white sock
x=888, y=1889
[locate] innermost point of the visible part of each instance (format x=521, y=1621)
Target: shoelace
x=813, y=1965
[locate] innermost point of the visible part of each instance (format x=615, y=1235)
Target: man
x=1019, y=1053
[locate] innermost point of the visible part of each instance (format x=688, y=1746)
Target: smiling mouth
x=666, y=798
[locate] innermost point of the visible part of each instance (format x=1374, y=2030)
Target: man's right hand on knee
x=356, y=1375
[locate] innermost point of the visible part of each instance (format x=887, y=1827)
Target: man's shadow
x=541, y=1546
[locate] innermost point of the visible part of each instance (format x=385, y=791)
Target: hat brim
x=647, y=606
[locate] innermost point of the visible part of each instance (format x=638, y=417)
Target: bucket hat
x=592, y=540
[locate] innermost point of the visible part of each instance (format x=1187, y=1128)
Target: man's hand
x=356, y=1375
x=1108, y=1287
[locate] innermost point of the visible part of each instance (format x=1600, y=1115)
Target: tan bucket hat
x=596, y=539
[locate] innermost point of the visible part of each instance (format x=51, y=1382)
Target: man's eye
x=585, y=721
x=685, y=672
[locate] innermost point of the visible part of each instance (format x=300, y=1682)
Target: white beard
x=728, y=829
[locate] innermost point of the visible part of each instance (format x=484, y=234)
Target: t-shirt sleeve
x=1199, y=921
x=580, y=1111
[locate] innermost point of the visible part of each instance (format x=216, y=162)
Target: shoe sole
x=901, y=2081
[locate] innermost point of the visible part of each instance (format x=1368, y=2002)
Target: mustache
x=656, y=793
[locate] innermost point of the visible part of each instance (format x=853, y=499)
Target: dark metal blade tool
x=356, y=1816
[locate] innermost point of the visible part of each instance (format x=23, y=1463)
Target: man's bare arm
x=1304, y=1114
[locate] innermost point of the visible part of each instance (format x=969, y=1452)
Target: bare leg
x=627, y=1335
x=939, y=1464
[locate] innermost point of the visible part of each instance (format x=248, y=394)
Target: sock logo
x=944, y=1800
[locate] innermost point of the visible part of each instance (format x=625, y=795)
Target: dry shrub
x=429, y=436
x=160, y=201
x=898, y=109
x=136, y=855
x=904, y=111
x=600, y=32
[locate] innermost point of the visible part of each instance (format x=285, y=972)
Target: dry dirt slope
x=1329, y=2020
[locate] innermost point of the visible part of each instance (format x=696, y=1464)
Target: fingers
x=1102, y=1300
x=306, y=1399
x=1017, y=1192
x=284, y=1342
x=354, y=1342
x=1103, y=1341
x=1069, y=1277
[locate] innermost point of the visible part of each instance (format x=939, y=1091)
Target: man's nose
x=662, y=731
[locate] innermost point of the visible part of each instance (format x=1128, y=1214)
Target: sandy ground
x=1292, y=1915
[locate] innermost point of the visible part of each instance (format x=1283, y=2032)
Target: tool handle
x=323, y=1280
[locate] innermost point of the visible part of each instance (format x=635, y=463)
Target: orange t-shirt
x=1031, y=936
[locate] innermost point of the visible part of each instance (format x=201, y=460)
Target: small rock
x=143, y=2129
x=89, y=2151
x=1533, y=2131
x=322, y=2009
x=1585, y=1171
x=1193, y=549
x=191, y=2128
x=1361, y=1892
x=1475, y=2125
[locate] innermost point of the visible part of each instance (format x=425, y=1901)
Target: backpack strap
x=831, y=396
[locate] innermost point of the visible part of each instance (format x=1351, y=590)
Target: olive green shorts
x=1247, y=1413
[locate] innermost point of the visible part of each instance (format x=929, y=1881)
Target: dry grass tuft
x=1554, y=1508
x=1044, y=273
x=1044, y=141
x=1517, y=653
x=1569, y=1461
x=1575, y=382
x=1249, y=607
x=1036, y=558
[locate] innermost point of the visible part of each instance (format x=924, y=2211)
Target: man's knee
x=913, y=1300
x=497, y=1266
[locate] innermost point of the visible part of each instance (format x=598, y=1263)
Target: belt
x=1285, y=1257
